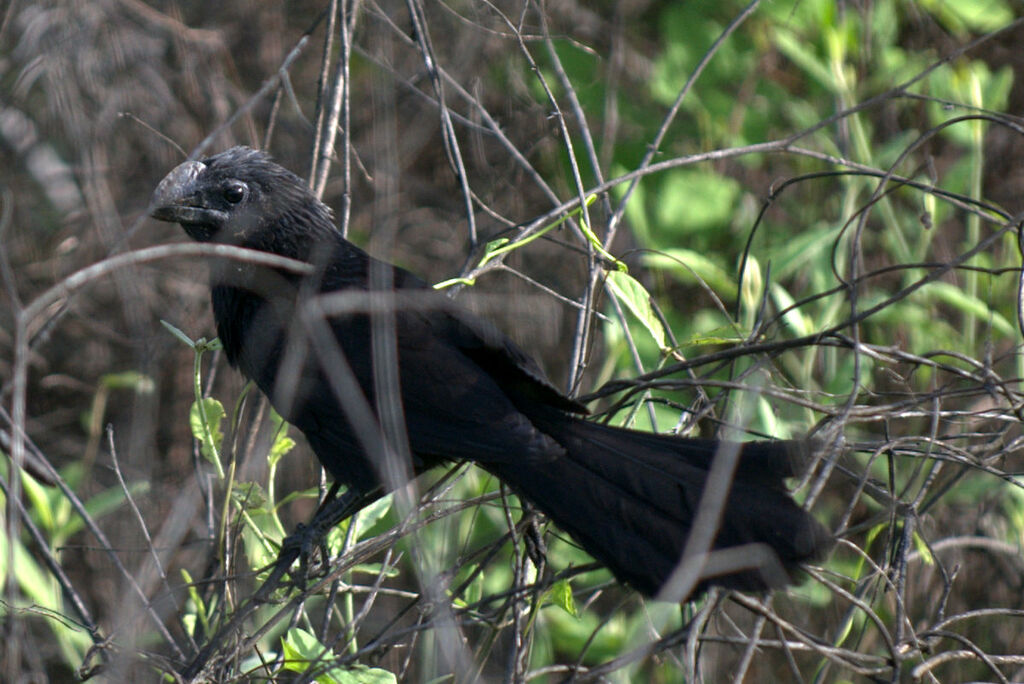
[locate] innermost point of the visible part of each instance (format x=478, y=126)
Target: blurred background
x=817, y=203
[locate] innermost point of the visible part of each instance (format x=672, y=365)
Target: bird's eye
x=234, y=192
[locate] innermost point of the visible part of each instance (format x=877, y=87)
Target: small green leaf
x=37, y=584
x=282, y=442
x=204, y=345
x=700, y=340
x=970, y=15
x=693, y=201
x=282, y=445
x=361, y=674
x=367, y=518
x=42, y=506
x=302, y=650
x=204, y=418
x=198, y=605
x=803, y=55
x=561, y=596
x=178, y=333
x=249, y=496
x=139, y=382
x=793, y=318
x=310, y=493
x=922, y=548
x=636, y=298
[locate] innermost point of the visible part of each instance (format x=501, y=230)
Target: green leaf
x=963, y=16
x=368, y=517
x=630, y=292
x=282, y=445
x=42, y=506
x=702, y=340
x=922, y=548
x=249, y=496
x=139, y=382
x=796, y=321
x=204, y=418
x=212, y=345
x=309, y=493
x=692, y=201
x=260, y=539
x=177, y=332
x=961, y=300
x=302, y=650
x=361, y=674
x=198, y=605
x=36, y=583
x=282, y=442
x=561, y=595
x=798, y=52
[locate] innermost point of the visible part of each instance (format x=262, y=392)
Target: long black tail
x=629, y=498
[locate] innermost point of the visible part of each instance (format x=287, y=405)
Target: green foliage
x=204, y=419
x=970, y=15
x=692, y=202
x=302, y=652
x=560, y=594
x=367, y=520
x=694, y=220
x=205, y=414
x=636, y=298
x=58, y=522
x=786, y=68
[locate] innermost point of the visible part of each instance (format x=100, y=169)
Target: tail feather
x=629, y=498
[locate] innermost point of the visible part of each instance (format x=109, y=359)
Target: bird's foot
x=533, y=537
x=301, y=544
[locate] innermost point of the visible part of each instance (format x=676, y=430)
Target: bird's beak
x=177, y=200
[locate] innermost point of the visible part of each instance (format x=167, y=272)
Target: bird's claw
x=300, y=546
x=533, y=539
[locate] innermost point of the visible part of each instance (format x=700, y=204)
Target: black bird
x=467, y=391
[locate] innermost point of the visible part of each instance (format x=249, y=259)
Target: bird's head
x=232, y=197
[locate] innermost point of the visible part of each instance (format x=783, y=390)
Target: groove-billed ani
x=467, y=392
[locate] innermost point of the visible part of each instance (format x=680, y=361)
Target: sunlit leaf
x=204, y=419
x=636, y=298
